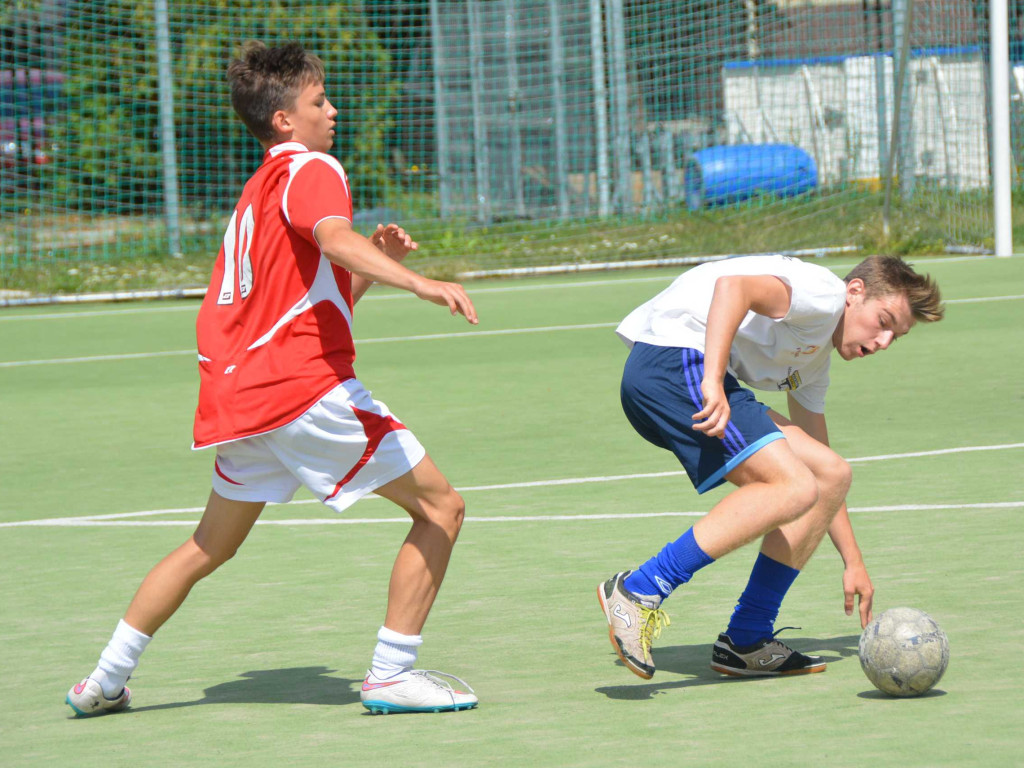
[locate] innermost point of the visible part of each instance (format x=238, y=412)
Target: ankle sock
x=755, y=614
x=674, y=565
x=395, y=653
x=119, y=659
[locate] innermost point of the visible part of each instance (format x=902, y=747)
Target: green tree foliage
x=113, y=128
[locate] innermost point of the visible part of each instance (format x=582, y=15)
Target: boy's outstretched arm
x=349, y=249
x=734, y=296
x=856, y=582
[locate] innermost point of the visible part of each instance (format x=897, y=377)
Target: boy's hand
x=452, y=295
x=393, y=241
x=714, y=416
x=857, y=582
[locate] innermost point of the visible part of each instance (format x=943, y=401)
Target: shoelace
x=655, y=620
x=432, y=676
x=776, y=639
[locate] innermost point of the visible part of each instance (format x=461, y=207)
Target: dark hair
x=888, y=275
x=264, y=80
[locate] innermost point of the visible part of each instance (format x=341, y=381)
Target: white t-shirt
x=791, y=353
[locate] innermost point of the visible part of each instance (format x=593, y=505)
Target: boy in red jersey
x=278, y=396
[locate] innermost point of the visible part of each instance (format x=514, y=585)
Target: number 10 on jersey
x=237, y=242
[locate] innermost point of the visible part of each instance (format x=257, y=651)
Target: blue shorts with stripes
x=661, y=392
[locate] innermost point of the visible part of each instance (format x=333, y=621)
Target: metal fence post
x=513, y=109
x=670, y=186
x=600, y=109
x=558, y=107
x=165, y=83
x=903, y=14
x=476, y=84
x=901, y=32
x=880, y=99
x=620, y=105
x=444, y=189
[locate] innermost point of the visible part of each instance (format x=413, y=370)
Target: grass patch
x=53, y=255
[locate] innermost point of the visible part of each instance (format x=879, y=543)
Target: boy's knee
x=452, y=512
x=801, y=494
x=841, y=475
x=446, y=510
x=208, y=557
x=834, y=477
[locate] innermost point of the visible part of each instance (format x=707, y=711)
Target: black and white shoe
x=765, y=658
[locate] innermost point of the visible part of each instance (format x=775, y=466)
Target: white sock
x=395, y=653
x=119, y=659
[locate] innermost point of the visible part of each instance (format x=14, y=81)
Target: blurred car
x=31, y=101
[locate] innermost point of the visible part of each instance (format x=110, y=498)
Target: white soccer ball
x=904, y=652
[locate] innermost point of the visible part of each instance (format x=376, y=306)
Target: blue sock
x=674, y=565
x=754, y=617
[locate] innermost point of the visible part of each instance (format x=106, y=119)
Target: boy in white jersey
x=771, y=323
x=278, y=396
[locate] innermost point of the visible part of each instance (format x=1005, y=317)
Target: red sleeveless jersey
x=274, y=332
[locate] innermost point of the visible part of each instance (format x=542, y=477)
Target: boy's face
x=870, y=325
x=311, y=118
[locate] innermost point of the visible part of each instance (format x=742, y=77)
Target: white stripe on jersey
x=323, y=289
x=296, y=164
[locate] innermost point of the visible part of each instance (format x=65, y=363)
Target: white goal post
x=1000, y=54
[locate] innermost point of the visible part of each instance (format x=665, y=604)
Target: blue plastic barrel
x=735, y=172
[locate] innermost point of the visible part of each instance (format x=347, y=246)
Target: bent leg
x=774, y=488
x=437, y=511
x=794, y=542
x=222, y=529
x=786, y=550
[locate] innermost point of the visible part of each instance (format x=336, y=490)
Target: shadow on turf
x=298, y=685
x=873, y=694
x=694, y=660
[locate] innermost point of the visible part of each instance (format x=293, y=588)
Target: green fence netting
x=504, y=133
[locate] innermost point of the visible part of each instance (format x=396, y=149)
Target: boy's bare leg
x=392, y=684
x=774, y=488
x=749, y=646
x=222, y=529
x=437, y=511
x=795, y=542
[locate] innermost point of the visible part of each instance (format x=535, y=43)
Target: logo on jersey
x=790, y=382
x=805, y=350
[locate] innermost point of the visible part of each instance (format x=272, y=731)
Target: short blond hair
x=888, y=275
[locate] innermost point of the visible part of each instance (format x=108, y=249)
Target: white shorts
x=342, y=448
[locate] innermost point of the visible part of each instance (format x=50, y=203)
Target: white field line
x=391, y=339
x=359, y=342
x=474, y=291
x=982, y=299
x=84, y=522
x=124, y=518
x=97, y=358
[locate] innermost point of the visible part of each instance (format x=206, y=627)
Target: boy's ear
x=855, y=287
x=281, y=122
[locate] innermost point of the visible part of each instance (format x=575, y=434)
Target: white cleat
x=415, y=691
x=87, y=699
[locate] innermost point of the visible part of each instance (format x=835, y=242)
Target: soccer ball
x=904, y=652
